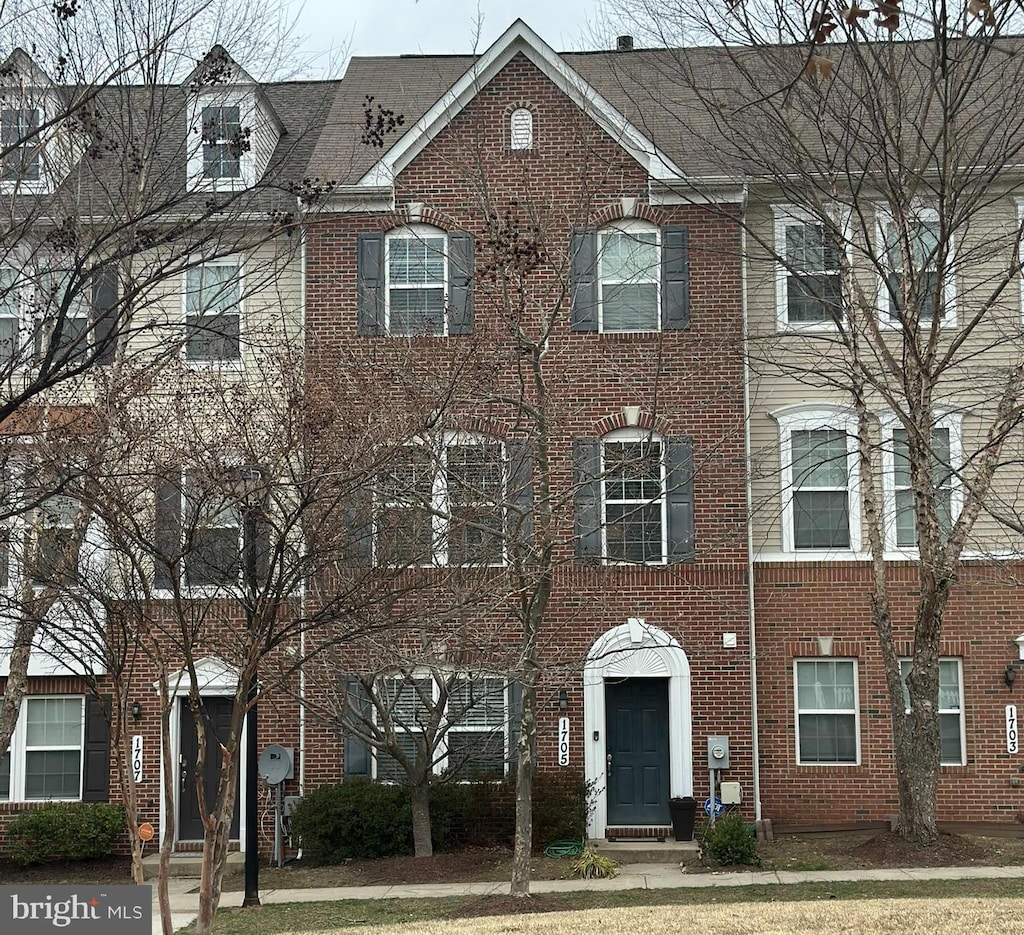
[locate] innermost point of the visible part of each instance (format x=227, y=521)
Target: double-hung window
x=902, y=528
x=910, y=253
x=808, y=280
x=213, y=538
x=417, y=277
x=827, y=715
x=19, y=144
x=213, y=293
x=45, y=760
x=12, y=300
x=634, y=500
x=629, y=278
x=223, y=142
x=819, y=476
x=56, y=548
x=442, y=503
x=62, y=315
x=473, y=724
x=951, y=710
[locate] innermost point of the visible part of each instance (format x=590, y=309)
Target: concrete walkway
x=631, y=877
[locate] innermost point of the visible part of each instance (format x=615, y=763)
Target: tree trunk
x=523, y=850
x=419, y=792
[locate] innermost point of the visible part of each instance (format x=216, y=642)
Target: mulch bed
x=949, y=850
x=508, y=906
x=108, y=870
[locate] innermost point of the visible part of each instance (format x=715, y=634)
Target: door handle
x=182, y=770
x=608, y=760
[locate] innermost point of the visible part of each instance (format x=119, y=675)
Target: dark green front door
x=636, y=711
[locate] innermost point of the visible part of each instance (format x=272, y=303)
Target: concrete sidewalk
x=631, y=877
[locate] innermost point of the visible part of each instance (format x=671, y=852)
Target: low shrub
x=729, y=841
x=359, y=818
x=355, y=818
x=64, y=831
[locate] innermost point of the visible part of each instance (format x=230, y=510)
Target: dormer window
x=222, y=143
x=521, y=129
x=19, y=144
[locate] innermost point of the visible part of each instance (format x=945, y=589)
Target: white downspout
x=302, y=591
x=755, y=751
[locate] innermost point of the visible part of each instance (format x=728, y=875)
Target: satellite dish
x=275, y=764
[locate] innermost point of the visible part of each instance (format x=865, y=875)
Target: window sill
x=804, y=328
x=234, y=365
x=632, y=335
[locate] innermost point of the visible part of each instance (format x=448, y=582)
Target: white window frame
x=440, y=519
x=958, y=711
x=417, y=232
x=628, y=228
x=804, y=418
x=440, y=763
x=209, y=589
x=786, y=216
x=951, y=422
x=797, y=711
x=245, y=101
x=520, y=138
x=19, y=750
x=41, y=185
x=23, y=296
x=80, y=308
x=633, y=436
x=926, y=214
x=221, y=363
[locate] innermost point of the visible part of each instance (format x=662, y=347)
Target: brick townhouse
x=485, y=208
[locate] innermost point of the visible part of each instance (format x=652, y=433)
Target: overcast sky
x=392, y=27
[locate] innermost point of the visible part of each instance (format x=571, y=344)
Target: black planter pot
x=683, y=813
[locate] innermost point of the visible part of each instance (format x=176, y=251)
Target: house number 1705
x=563, y=741
x=1012, y=729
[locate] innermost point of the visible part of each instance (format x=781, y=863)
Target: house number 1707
x=1012, y=729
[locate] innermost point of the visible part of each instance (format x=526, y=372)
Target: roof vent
x=624, y=44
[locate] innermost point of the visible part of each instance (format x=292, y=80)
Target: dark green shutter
x=675, y=279
x=359, y=527
x=515, y=714
x=168, y=533
x=357, y=753
x=460, y=283
x=96, y=752
x=681, y=540
x=586, y=477
x=520, y=493
x=104, y=315
x=583, y=280
x=370, y=284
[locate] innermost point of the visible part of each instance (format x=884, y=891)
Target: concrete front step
x=187, y=866
x=648, y=852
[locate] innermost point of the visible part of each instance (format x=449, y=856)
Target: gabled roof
x=217, y=69
x=20, y=69
x=518, y=39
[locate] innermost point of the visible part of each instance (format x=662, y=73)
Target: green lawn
x=321, y=916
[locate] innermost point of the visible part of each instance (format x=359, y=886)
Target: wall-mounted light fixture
x=1010, y=675
x=563, y=699
x=136, y=711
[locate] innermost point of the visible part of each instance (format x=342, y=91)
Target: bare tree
x=887, y=139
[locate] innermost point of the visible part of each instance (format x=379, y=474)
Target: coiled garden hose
x=564, y=848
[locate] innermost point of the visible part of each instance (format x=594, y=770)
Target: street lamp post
x=250, y=479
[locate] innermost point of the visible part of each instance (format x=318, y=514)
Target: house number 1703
x=563, y=741
x=1012, y=729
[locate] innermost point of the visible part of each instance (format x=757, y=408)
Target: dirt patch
x=483, y=865
x=109, y=870
x=508, y=906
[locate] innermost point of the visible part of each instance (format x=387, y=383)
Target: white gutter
x=755, y=746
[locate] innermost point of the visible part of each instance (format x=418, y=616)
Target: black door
x=217, y=712
x=638, y=764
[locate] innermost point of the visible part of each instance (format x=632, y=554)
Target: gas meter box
x=718, y=752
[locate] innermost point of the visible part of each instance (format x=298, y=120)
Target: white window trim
x=440, y=763
x=1020, y=276
x=514, y=144
x=44, y=184
x=926, y=213
x=629, y=435
x=245, y=100
x=227, y=363
x=856, y=710
x=811, y=418
x=628, y=227
x=24, y=298
x=953, y=423
x=416, y=232
x=439, y=518
x=788, y=216
x=948, y=711
x=19, y=749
